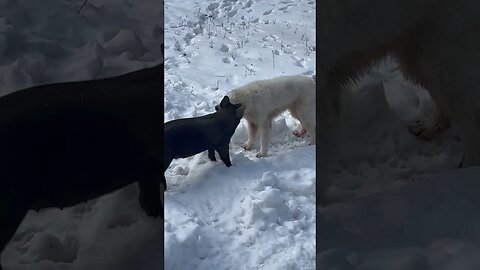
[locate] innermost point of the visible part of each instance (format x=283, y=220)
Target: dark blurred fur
x=65, y=143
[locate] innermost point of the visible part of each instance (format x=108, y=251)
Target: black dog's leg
x=211, y=155
x=151, y=197
x=223, y=151
x=12, y=212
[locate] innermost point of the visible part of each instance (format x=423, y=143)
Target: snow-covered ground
x=400, y=203
x=259, y=213
x=42, y=43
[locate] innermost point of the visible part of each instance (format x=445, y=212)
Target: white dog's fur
x=436, y=43
x=263, y=100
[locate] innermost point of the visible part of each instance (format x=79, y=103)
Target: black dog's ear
x=240, y=111
x=225, y=101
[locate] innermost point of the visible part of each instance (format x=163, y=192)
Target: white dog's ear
x=239, y=112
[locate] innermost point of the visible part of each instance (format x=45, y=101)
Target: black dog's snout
x=216, y=107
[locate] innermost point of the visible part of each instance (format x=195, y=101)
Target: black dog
x=65, y=143
x=190, y=136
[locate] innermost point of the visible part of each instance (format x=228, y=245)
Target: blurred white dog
x=264, y=100
x=435, y=44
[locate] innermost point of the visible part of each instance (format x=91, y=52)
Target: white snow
x=259, y=213
x=398, y=202
x=49, y=42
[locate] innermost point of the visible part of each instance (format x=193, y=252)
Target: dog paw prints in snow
x=248, y=4
x=180, y=170
x=188, y=38
x=186, y=234
x=188, y=239
x=269, y=212
x=284, y=8
x=268, y=12
x=271, y=206
x=225, y=48
x=232, y=13
x=213, y=6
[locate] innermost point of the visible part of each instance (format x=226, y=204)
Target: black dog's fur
x=190, y=136
x=65, y=143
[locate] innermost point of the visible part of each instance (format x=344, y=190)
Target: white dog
x=436, y=45
x=264, y=100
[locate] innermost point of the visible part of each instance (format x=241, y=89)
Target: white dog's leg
x=252, y=132
x=265, y=129
x=306, y=115
x=295, y=112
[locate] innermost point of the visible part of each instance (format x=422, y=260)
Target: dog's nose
x=216, y=107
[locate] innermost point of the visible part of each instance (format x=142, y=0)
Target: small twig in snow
x=273, y=55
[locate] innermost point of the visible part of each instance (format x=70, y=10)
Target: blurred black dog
x=190, y=136
x=65, y=143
